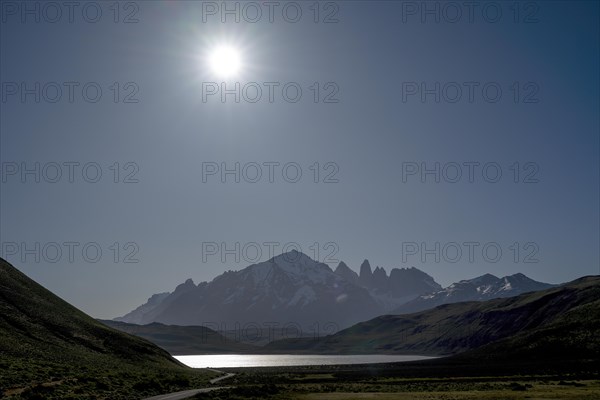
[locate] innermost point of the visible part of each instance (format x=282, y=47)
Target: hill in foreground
x=49, y=349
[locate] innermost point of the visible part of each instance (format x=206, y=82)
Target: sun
x=225, y=61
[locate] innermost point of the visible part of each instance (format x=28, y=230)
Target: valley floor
x=538, y=392
x=515, y=389
x=386, y=382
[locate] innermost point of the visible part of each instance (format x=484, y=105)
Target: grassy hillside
x=558, y=322
x=570, y=333
x=185, y=340
x=49, y=349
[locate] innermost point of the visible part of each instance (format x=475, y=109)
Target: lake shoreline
x=292, y=360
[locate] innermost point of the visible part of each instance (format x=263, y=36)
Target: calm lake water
x=280, y=360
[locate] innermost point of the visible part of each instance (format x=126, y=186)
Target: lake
x=282, y=360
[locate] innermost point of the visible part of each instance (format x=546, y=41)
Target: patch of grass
x=390, y=382
x=99, y=380
x=445, y=391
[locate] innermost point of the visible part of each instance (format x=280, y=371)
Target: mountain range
x=295, y=291
x=557, y=325
x=51, y=350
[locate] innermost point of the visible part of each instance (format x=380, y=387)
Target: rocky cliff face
x=290, y=289
x=294, y=291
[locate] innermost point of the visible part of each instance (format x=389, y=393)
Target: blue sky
x=164, y=132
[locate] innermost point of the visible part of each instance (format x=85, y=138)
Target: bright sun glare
x=225, y=61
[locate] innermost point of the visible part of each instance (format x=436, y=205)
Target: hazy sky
x=510, y=88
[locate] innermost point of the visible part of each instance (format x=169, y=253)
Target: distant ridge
x=485, y=287
x=185, y=340
x=558, y=323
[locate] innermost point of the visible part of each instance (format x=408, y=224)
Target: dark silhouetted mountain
x=158, y=301
x=136, y=315
x=411, y=281
x=345, y=272
x=288, y=289
x=557, y=323
x=380, y=279
x=482, y=288
x=365, y=278
x=401, y=286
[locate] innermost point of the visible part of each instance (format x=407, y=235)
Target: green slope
x=570, y=333
x=50, y=349
x=185, y=340
x=558, y=322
